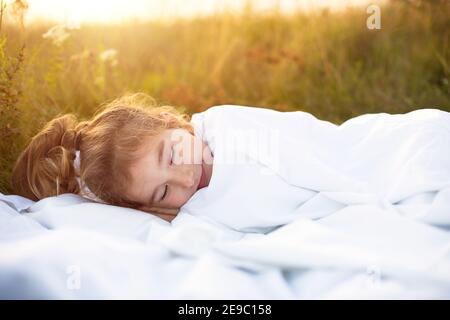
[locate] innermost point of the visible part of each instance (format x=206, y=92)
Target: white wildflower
x=109, y=56
x=57, y=34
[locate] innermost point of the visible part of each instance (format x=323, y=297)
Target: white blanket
x=296, y=165
x=367, y=216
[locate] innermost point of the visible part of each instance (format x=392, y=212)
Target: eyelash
x=166, y=189
x=165, y=192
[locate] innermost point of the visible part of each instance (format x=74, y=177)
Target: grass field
x=326, y=63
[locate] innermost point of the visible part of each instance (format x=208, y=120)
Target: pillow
x=73, y=211
x=14, y=225
x=16, y=202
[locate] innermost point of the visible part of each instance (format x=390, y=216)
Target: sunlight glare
x=119, y=10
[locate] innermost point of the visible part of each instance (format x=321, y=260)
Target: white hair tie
x=84, y=190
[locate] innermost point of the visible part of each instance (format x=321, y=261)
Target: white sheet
x=362, y=234
x=317, y=167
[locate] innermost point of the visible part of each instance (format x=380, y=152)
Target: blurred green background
x=324, y=62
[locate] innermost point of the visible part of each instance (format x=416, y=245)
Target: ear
x=164, y=213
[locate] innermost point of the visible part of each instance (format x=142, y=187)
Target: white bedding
x=302, y=166
x=373, y=221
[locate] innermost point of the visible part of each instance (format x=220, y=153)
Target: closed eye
x=166, y=189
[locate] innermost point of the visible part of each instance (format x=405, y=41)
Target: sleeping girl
x=249, y=168
x=125, y=155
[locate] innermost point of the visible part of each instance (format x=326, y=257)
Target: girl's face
x=172, y=167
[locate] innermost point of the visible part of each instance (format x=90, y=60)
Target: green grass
x=326, y=63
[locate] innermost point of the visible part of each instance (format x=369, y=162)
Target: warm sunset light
x=119, y=10
x=224, y=150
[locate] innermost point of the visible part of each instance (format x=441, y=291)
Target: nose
x=183, y=176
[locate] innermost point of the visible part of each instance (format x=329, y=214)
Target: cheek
x=179, y=198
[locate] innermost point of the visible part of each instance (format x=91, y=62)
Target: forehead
x=151, y=144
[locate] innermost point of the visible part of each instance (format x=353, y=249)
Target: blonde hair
x=108, y=145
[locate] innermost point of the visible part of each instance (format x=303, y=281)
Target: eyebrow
x=160, y=150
